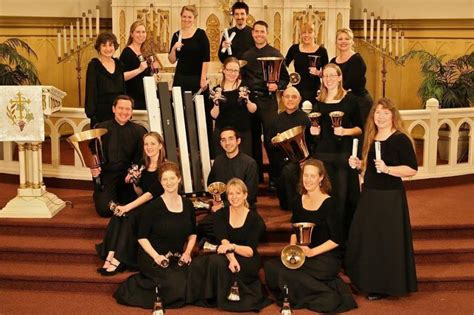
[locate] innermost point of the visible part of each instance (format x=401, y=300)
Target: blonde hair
x=162, y=154
x=133, y=27
x=307, y=27
x=191, y=8
x=236, y=182
x=226, y=62
x=348, y=32
x=324, y=90
x=371, y=129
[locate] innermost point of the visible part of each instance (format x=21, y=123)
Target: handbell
x=303, y=231
x=286, y=308
x=209, y=248
x=293, y=143
x=271, y=67
x=234, y=294
x=336, y=118
x=314, y=61
x=314, y=118
x=292, y=257
x=158, y=308
x=216, y=189
x=295, y=78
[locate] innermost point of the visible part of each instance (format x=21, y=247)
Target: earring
x=320, y=183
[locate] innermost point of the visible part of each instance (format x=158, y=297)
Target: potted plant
x=15, y=69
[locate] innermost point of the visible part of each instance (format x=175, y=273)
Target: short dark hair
x=262, y=23
x=240, y=5
x=236, y=132
x=104, y=38
x=123, y=97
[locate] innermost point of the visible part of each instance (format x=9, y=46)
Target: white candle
x=97, y=20
x=78, y=29
x=390, y=40
x=71, y=30
x=65, y=40
x=355, y=144
x=364, y=16
x=377, y=36
x=371, y=27
x=384, y=37
x=84, y=27
x=180, y=40
x=89, y=14
x=378, y=152
x=402, y=42
x=59, y=44
x=396, y=42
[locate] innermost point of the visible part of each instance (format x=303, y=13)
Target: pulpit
x=22, y=112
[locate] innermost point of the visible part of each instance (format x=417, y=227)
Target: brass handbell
x=158, y=308
x=313, y=60
x=209, y=248
x=314, y=118
x=234, y=294
x=216, y=189
x=295, y=78
x=286, y=308
x=271, y=67
x=292, y=256
x=293, y=143
x=336, y=118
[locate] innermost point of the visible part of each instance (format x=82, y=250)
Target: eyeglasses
x=232, y=71
x=330, y=76
x=292, y=97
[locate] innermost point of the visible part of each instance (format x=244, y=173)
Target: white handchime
x=355, y=144
x=180, y=39
x=229, y=39
x=378, y=152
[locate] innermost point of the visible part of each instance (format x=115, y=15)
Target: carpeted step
x=444, y=250
x=449, y=276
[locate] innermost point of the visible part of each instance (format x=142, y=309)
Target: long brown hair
x=162, y=153
x=236, y=182
x=133, y=27
x=371, y=129
x=226, y=62
x=325, y=182
x=324, y=90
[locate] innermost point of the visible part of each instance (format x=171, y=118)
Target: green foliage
x=451, y=83
x=15, y=69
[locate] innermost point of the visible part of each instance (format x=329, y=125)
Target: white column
x=22, y=163
x=35, y=166
x=29, y=165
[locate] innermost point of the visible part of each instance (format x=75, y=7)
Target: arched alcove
x=46, y=145
x=444, y=139
x=66, y=152
x=464, y=138
x=418, y=134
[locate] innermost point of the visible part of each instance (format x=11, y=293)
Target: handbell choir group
x=356, y=201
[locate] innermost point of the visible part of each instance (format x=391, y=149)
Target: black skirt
x=315, y=285
x=379, y=255
x=139, y=289
x=210, y=280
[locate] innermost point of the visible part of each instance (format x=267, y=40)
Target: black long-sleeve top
x=327, y=141
x=252, y=73
x=396, y=150
x=308, y=82
x=241, y=166
x=353, y=74
x=134, y=86
x=122, y=145
x=233, y=111
x=149, y=183
x=242, y=41
x=193, y=54
x=285, y=121
x=102, y=87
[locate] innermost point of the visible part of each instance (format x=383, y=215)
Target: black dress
x=315, y=285
x=334, y=151
x=121, y=233
x=102, y=87
x=310, y=84
x=233, y=112
x=166, y=231
x=210, y=279
x=134, y=86
x=379, y=257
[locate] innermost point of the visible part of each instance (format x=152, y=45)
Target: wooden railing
x=444, y=140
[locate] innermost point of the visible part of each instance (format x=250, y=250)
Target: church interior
x=48, y=258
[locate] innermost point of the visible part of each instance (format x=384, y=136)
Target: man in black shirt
x=243, y=39
x=289, y=171
x=263, y=93
x=122, y=146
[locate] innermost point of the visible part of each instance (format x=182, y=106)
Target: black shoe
x=120, y=268
x=272, y=186
x=101, y=270
x=376, y=296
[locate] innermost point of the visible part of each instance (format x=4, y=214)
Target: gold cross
x=20, y=103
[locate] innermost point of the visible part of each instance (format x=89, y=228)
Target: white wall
x=414, y=9
x=54, y=8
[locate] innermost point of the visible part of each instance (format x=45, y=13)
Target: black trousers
x=114, y=188
x=287, y=184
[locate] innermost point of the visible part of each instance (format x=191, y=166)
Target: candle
x=180, y=40
x=84, y=27
x=384, y=36
x=97, y=20
x=71, y=31
x=78, y=29
x=364, y=16
x=402, y=43
x=390, y=39
x=378, y=152
x=89, y=14
x=59, y=44
x=355, y=144
x=377, y=36
x=371, y=27
x=65, y=40
x=396, y=42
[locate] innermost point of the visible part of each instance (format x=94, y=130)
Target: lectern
x=22, y=112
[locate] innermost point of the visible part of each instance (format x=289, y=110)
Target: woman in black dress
x=315, y=285
x=300, y=54
x=379, y=257
x=135, y=70
x=353, y=70
x=333, y=144
x=231, y=107
x=119, y=247
x=104, y=80
x=166, y=234
x=238, y=231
